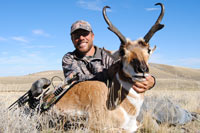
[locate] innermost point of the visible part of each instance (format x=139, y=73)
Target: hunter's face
x=82, y=40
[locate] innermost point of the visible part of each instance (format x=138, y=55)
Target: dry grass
x=181, y=85
x=13, y=122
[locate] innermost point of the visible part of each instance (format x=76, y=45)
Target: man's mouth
x=82, y=44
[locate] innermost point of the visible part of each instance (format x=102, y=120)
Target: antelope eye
x=141, y=43
x=149, y=51
x=122, y=52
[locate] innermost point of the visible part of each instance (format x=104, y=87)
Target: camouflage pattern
x=93, y=67
x=80, y=24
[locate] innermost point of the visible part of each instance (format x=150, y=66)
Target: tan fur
x=91, y=97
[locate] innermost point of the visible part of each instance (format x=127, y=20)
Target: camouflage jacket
x=87, y=67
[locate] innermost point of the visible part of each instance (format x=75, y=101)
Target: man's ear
x=72, y=38
x=92, y=34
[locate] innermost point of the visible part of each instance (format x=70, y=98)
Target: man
x=91, y=62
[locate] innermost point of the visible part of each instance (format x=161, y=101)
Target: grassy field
x=180, y=85
x=13, y=122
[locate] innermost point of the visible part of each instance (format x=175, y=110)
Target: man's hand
x=141, y=87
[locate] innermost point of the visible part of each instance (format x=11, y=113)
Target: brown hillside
x=173, y=77
x=167, y=77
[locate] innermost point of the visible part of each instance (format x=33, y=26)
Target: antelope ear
x=150, y=51
x=154, y=48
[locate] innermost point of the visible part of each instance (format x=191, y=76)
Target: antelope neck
x=124, y=77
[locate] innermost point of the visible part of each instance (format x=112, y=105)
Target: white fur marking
x=130, y=121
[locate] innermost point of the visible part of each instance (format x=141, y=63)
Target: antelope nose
x=143, y=68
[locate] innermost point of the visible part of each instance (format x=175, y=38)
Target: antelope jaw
x=139, y=77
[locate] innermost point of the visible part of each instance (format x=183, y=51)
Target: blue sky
x=34, y=34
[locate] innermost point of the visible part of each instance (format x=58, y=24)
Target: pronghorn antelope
x=116, y=106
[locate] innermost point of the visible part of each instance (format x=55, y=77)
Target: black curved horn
x=157, y=26
x=112, y=27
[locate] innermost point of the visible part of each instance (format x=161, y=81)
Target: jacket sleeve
x=70, y=68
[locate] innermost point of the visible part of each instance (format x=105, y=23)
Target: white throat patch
x=130, y=120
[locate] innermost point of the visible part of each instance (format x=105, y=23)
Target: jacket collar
x=97, y=54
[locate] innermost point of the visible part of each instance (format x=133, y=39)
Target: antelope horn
x=112, y=27
x=157, y=26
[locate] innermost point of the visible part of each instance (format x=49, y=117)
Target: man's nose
x=81, y=37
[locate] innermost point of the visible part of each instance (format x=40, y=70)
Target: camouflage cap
x=80, y=24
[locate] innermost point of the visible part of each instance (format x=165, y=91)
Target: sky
x=35, y=34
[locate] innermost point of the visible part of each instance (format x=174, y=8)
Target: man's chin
x=82, y=50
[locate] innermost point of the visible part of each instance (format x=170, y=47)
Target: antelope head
x=134, y=55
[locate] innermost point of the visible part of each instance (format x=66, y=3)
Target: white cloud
x=4, y=53
x=29, y=59
x=90, y=4
x=151, y=9
x=26, y=63
x=184, y=62
x=158, y=58
x=2, y=39
x=40, y=46
x=40, y=32
x=195, y=62
x=46, y=46
x=20, y=39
